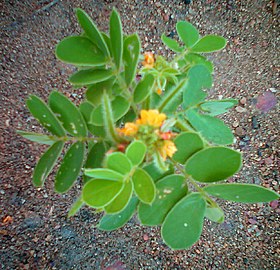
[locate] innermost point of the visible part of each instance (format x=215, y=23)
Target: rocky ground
x=34, y=230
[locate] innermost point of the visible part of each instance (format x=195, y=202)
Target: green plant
x=146, y=138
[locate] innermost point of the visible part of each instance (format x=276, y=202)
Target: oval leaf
x=116, y=36
x=98, y=192
x=104, y=174
x=79, y=51
x=212, y=129
x=213, y=164
x=182, y=226
x=136, y=152
x=121, y=201
x=45, y=116
x=144, y=186
x=187, y=33
x=70, y=168
x=209, y=43
x=170, y=190
x=36, y=137
x=187, y=144
x=244, y=193
x=143, y=88
x=215, y=214
x=90, y=76
x=199, y=78
x=119, y=162
x=68, y=114
x=171, y=43
x=92, y=31
x=115, y=221
x=46, y=164
x=131, y=52
x=76, y=206
x=95, y=157
x=214, y=108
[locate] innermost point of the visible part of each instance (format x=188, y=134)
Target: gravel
x=37, y=234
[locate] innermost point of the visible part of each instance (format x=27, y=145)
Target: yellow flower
x=167, y=150
x=129, y=129
x=151, y=118
x=149, y=60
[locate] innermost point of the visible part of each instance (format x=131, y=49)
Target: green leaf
x=90, y=76
x=92, y=31
x=183, y=225
x=131, y=52
x=70, y=167
x=95, y=157
x=199, y=78
x=196, y=59
x=136, y=152
x=144, y=186
x=209, y=43
x=36, y=137
x=115, y=221
x=143, y=88
x=213, y=164
x=170, y=190
x=171, y=43
x=120, y=107
x=76, y=206
x=104, y=174
x=46, y=164
x=95, y=92
x=212, y=129
x=215, y=214
x=187, y=33
x=121, y=201
x=214, y=108
x=68, y=114
x=116, y=37
x=79, y=51
x=119, y=162
x=45, y=116
x=172, y=95
x=99, y=192
x=244, y=193
x=155, y=173
x=187, y=143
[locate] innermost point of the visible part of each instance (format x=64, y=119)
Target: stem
x=197, y=187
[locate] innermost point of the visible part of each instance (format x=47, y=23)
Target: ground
x=34, y=230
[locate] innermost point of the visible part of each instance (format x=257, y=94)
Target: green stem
x=197, y=187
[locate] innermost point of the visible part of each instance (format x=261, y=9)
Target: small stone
x=252, y=221
x=255, y=124
x=240, y=132
x=145, y=237
x=240, y=109
x=243, y=101
x=166, y=17
x=235, y=124
x=268, y=161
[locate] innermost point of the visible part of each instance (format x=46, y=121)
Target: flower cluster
x=147, y=129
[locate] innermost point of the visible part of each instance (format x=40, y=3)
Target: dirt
x=34, y=230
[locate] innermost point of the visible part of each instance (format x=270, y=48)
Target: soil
x=34, y=230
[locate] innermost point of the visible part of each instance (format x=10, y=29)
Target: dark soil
x=34, y=230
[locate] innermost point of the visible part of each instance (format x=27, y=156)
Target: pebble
x=145, y=237
x=243, y=101
x=240, y=132
x=255, y=124
x=235, y=124
x=240, y=109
